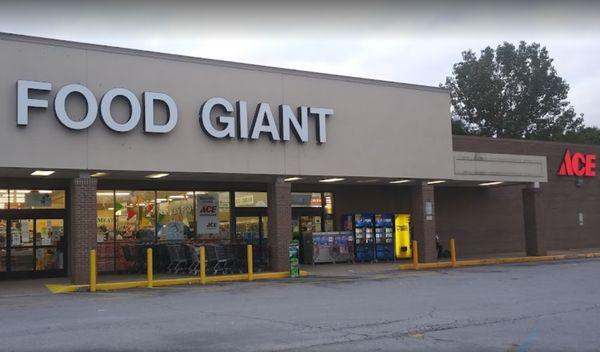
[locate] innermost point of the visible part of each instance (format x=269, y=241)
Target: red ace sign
x=578, y=164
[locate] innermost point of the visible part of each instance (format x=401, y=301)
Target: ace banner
x=207, y=214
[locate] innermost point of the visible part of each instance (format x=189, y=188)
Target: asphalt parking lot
x=525, y=307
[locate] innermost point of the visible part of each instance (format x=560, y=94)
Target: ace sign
x=207, y=214
x=578, y=164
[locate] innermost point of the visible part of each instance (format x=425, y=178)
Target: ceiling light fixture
x=435, y=182
x=399, y=181
x=42, y=173
x=491, y=183
x=334, y=179
x=157, y=175
x=290, y=179
x=99, y=174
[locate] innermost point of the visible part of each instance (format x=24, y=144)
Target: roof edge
x=214, y=62
x=519, y=140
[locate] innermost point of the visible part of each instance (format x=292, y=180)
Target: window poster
x=207, y=214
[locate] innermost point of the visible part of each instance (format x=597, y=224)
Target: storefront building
x=115, y=149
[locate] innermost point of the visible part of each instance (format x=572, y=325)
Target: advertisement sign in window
x=207, y=214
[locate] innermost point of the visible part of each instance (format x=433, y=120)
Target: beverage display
x=364, y=233
x=384, y=236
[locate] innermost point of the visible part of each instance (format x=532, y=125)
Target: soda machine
x=384, y=237
x=364, y=237
x=402, y=236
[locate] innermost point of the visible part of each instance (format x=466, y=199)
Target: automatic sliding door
x=50, y=244
x=21, y=245
x=32, y=245
x=253, y=230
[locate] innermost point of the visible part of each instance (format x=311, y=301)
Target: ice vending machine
x=384, y=236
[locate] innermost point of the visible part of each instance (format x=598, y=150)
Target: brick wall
x=492, y=220
x=280, y=224
x=82, y=236
x=423, y=227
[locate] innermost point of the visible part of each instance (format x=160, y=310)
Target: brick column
x=535, y=243
x=422, y=220
x=82, y=236
x=279, y=194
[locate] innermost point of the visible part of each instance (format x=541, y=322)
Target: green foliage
x=586, y=135
x=511, y=92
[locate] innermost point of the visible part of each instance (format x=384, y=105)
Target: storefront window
x=328, y=211
x=328, y=203
x=35, y=199
x=105, y=231
x=250, y=199
x=3, y=199
x=175, y=215
x=312, y=200
x=213, y=215
x=134, y=212
x=105, y=205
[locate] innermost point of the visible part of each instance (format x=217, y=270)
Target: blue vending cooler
x=364, y=237
x=384, y=236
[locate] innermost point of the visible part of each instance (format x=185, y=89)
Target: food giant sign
x=578, y=164
x=231, y=123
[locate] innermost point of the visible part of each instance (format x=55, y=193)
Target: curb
x=496, y=261
x=110, y=286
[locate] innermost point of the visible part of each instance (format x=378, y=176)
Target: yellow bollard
x=202, y=269
x=93, y=270
x=250, y=263
x=415, y=255
x=452, y=252
x=149, y=268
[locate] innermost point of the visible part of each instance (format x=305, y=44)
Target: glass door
x=253, y=230
x=302, y=226
x=32, y=245
x=21, y=240
x=49, y=244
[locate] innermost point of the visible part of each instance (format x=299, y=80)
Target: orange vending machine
x=402, y=236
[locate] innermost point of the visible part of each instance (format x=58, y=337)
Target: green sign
x=293, y=250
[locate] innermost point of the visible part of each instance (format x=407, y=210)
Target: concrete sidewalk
x=359, y=270
x=32, y=287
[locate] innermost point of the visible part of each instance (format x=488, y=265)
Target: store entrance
x=253, y=229
x=32, y=245
x=304, y=225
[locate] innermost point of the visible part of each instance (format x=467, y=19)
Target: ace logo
x=578, y=164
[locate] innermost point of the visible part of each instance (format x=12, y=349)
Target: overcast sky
x=413, y=42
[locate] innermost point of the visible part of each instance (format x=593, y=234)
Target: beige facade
x=379, y=129
x=469, y=166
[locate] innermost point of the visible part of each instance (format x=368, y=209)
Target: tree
x=586, y=135
x=511, y=92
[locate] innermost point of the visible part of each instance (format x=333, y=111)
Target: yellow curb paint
x=495, y=261
x=65, y=288
x=109, y=286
